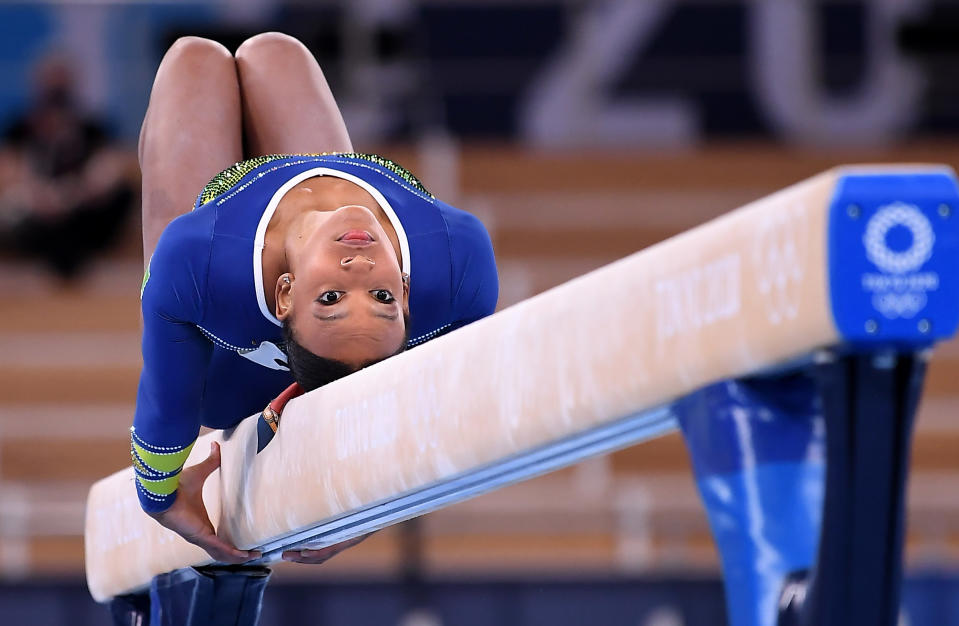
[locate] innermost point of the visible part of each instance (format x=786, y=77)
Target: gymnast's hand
x=315, y=557
x=188, y=517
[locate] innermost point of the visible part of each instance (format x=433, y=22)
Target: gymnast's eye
x=330, y=297
x=383, y=295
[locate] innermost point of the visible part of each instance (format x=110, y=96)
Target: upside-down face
x=345, y=295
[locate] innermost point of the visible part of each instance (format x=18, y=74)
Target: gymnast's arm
x=175, y=360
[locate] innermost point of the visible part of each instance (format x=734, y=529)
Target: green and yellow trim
x=146, y=277
x=231, y=176
x=162, y=487
x=159, y=463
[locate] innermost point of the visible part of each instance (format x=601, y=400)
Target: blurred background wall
x=579, y=131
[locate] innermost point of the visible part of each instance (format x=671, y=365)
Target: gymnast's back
x=212, y=348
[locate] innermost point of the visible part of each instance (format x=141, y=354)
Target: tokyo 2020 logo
x=899, y=240
x=876, y=237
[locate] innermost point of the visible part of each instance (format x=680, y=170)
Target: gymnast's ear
x=284, y=296
x=405, y=304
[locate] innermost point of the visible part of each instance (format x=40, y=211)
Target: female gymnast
x=292, y=265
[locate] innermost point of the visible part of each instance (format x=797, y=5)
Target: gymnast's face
x=346, y=296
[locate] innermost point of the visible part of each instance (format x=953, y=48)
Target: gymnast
x=304, y=262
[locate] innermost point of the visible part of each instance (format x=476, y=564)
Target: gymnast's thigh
x=288, y=107
x=192, y=130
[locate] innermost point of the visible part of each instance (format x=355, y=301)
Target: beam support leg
x=869, y=404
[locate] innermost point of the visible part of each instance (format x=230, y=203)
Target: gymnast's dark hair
x=312, y=371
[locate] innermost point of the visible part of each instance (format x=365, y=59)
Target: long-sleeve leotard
x=212, y=349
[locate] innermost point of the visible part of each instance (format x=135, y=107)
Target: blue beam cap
x=894, y=257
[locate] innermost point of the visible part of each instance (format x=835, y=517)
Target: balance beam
x=582, y=369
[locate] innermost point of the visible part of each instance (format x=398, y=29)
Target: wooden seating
x=69, y=368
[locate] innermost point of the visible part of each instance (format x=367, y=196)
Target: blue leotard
x=210, y=344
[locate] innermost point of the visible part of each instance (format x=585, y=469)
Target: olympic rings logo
x=889, y=217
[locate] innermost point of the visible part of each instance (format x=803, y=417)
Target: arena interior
x=579, y=131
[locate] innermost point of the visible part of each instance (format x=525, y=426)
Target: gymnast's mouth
x=356, y=238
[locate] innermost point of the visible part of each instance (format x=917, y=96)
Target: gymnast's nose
x=363, y=262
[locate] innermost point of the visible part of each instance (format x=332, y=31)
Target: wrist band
x=271, y=414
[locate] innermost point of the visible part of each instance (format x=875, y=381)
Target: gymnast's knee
x=197, y=53
x=270, y=48
x=188, y=59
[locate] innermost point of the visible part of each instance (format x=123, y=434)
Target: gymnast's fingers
x=203, y=469
x=315, y=557
x=310, y=557
x=222, y=551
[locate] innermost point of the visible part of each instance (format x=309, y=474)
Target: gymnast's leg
x=288, y=107
x=191, y=131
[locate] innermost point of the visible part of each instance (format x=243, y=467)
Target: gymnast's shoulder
x=475, y=279
x=176, y=276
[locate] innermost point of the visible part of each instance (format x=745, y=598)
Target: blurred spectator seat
x=66, y=189
x=70, y=360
